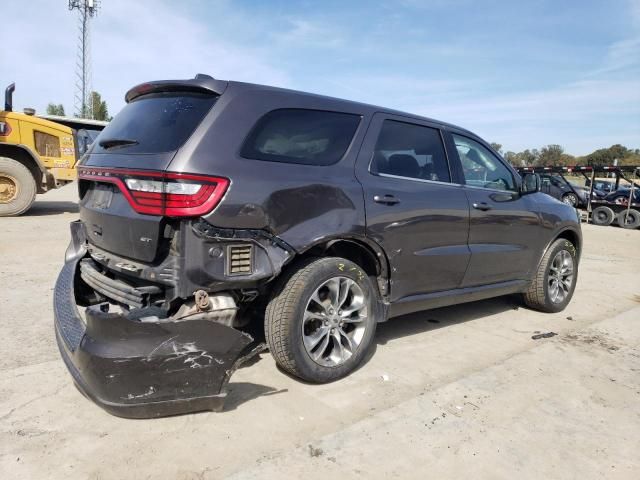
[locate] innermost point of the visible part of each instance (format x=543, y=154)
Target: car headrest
x=404, y=165
x=380, y=164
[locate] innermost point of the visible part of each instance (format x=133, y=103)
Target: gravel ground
x=455, y=392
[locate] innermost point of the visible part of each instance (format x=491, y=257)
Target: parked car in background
x=559, y=187
x=609, y=186
x=604, y=186
x=622, y=195
x=208, y=208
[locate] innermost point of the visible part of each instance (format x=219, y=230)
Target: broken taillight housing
x=162, y=193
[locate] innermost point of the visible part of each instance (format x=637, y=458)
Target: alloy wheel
x=560, y=277
x=334, y=321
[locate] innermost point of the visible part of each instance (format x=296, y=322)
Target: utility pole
x=87, y=9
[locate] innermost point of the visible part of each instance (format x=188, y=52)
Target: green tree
x=527, y=158
x=53, y=109
x=497, y=147
x=99, y=107
x=607, y=156
x=551, y=155
x=555, y=155
x=512, y=158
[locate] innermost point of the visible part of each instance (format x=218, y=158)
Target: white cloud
x=305, y=33
x=152, y=42
x=131, y=42
x=135, y=41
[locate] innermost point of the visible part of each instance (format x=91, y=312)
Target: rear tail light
x=162, y=193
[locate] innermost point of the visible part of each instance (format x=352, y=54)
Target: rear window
x=308, y=137
x=158, y=122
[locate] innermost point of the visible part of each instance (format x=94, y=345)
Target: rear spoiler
x=201, y=83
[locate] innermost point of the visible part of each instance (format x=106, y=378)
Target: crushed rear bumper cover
x=141, y=370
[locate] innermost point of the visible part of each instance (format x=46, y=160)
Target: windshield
x=155, y=123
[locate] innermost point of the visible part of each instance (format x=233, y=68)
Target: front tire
x=555, y=281
x=321, y=320
x=17, y=188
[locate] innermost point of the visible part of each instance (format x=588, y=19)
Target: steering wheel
x=501, y=182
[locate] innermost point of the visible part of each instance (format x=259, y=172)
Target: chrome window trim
x=497, y=190
x=420, y=180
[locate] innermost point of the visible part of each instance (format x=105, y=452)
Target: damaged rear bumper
x=140, y=370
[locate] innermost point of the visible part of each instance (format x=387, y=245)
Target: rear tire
x=630, y=219
x=318, y=335
x=602, y=216
x=555, y=281
x=17, y=188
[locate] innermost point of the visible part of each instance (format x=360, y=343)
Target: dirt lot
x=450, y=393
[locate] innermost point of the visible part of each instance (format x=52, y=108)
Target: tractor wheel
x=17, y=188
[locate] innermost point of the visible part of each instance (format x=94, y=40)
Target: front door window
x=481, y=168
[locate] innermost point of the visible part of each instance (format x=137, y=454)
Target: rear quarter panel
x=300, y=203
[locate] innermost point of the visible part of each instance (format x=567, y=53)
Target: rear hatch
x=126, y=193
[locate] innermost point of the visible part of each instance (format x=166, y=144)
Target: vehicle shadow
x=41, y=208
x=427, y=320
x=241, y=392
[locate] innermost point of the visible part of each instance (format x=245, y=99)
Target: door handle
x=386, y=199
x=484, y=206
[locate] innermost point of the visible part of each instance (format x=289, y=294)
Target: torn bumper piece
x=140, y=370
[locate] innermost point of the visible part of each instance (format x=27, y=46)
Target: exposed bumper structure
x=136, y=369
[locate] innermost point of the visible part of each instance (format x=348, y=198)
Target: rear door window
x=308, y=137
x=156, y=122
x=410, y=151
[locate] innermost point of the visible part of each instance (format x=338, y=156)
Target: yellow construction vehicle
x=38, y=154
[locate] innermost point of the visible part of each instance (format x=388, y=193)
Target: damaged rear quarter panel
x=297, y=203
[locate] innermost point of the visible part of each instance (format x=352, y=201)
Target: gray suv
x=211, y=211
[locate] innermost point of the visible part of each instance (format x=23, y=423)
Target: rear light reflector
x=162, y=193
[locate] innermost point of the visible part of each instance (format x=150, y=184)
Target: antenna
x=87, y=9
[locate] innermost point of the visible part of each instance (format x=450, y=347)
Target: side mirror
x=530, y=183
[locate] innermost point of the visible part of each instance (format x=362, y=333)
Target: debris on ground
x=315, y=452
x=384, y=377
x=543, y=335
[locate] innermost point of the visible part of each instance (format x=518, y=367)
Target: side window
x=309, y=137
x=481, y=168
x=555, y=179
x=46, y=145
x=408, y=150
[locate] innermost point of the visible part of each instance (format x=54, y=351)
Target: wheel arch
x=360, y=250
x=566, y=233
x=25, y=156
x=571, y=235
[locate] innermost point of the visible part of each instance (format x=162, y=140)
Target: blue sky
x=523, y=74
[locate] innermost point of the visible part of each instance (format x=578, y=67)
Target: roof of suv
x=206, y=83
